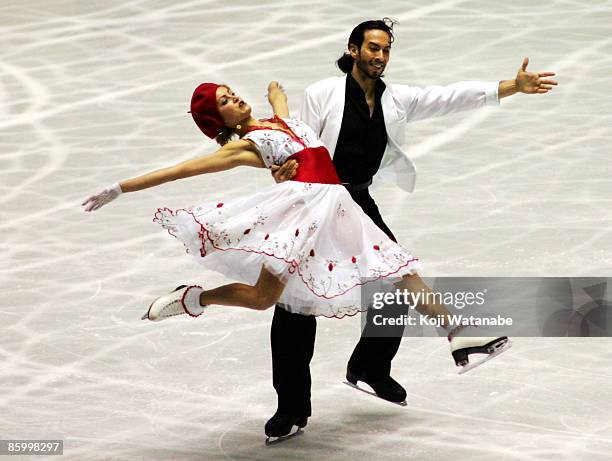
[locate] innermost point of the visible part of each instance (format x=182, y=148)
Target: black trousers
x=293, y=337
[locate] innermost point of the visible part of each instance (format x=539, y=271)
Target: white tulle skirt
x=314, y=237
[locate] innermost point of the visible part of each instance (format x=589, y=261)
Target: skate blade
x=276, y=440
x=355, y=386
x=470, y=366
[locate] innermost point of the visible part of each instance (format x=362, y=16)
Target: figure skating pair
x=303, y=242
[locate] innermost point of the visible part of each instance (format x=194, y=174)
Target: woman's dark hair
x=225, y=136
x=345, y=63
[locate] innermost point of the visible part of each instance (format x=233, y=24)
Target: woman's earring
x=238, y=127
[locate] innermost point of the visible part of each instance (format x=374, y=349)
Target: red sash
x=315, y=165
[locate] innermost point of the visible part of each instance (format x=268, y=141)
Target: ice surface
x=94, y=92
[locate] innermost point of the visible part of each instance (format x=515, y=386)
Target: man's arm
x=507, y=88
x=435, y=101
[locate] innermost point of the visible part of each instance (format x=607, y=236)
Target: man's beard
x=363, y=66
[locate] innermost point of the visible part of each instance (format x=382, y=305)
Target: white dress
x=311, y=235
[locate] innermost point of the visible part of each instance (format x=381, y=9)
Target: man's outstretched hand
x=533, y=82
x=285, y=171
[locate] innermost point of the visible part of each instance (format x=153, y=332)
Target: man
x=361, y=120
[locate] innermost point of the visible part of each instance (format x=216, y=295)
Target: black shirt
x=362, y=139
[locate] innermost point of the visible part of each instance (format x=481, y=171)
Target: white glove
x=107, y=195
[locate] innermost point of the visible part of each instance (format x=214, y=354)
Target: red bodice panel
x=315, y=165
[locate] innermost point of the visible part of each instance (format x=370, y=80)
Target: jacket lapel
x=396, y=166
x=333, y=108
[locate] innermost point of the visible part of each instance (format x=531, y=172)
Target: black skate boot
x=385, y=388
x=279, y=426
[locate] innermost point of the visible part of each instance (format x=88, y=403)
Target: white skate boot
x=183, y=300
x=463, y=346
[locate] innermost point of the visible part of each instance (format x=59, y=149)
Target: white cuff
x=491, y=90
x=191, y=301
x=117, y=188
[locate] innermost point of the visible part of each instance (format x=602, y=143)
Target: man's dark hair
x=345, y=63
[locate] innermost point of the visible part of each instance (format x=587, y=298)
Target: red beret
x=204, y=110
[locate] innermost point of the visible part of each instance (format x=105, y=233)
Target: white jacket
x=323, y=109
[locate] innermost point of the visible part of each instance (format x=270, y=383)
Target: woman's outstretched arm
x=233, y=154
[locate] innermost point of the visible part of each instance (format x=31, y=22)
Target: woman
x=302, y=242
